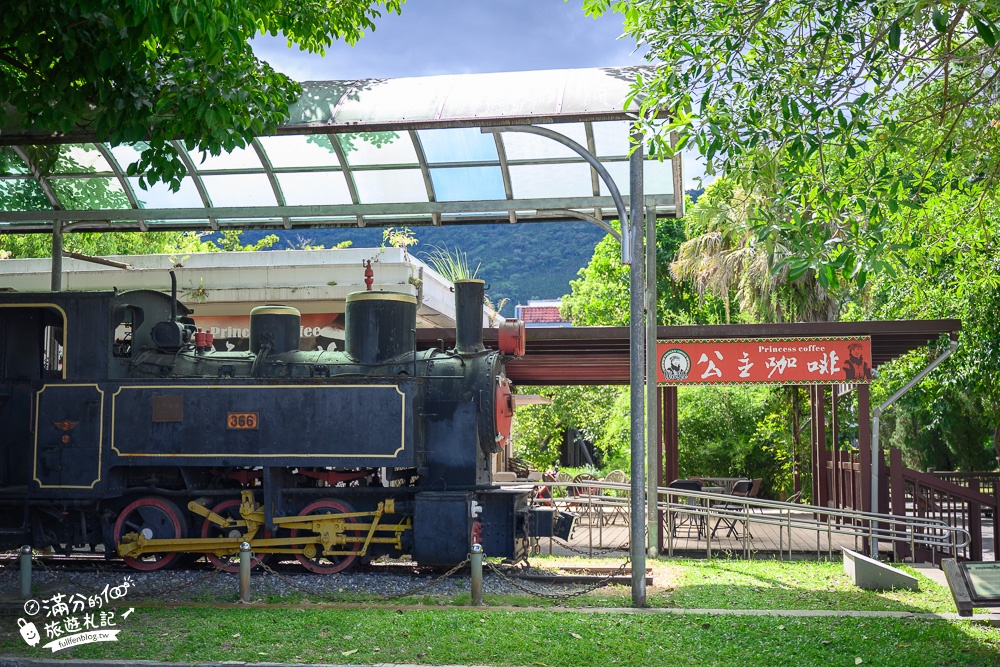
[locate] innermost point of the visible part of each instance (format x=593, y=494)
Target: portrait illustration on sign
x=676, y=365
x=855, y=366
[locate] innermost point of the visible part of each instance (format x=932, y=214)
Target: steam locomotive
x=122, y=426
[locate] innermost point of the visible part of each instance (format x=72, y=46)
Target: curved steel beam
x=592, y=160
x=589, y=218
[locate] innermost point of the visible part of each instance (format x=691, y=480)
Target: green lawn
x=303, y=632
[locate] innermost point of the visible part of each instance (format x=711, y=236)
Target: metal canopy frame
x=375, y=152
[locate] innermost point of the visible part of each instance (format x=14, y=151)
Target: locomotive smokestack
x=173, y=296
x=379, y=326
x=469, y=316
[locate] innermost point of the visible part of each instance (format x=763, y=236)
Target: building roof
x=231, y=283
x=600, y=355
x=540, y=313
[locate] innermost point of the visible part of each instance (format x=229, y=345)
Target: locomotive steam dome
x=379, y=325
x=276, y=325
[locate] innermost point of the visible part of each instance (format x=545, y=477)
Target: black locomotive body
x=122, y=426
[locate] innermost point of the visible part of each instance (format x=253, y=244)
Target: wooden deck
x=607, y=534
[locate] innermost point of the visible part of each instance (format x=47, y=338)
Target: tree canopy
x=842, y=118
x=159, y=70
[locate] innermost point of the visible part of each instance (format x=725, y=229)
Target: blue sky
x=470, y=36
x=465, y=36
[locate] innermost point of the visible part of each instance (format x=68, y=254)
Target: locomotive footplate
x=327, y=534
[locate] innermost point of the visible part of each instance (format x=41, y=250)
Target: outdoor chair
x=588, y=498
x=618, y=477
x=754, y=491
x=520, y=467
x=741, y=489
x=680, y=518
x=563, y=478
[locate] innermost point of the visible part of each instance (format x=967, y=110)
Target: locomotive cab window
x=127, y=319
x=32, y=342
x=52, y=353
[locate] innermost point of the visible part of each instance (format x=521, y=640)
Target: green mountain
x=519, y=262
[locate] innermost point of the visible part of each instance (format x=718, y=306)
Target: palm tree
x=724, y=256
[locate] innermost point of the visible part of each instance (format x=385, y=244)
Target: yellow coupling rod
x=328, y=530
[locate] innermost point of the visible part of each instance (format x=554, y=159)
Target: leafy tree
x=845, y=117
x=599, y=413
x=723, y=256
x=600, y=296
x=157, y=70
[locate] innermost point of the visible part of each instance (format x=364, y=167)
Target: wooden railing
x=988, y=481
x=925, y=495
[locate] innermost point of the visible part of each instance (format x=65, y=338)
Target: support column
x=835, y=477
x=57, y=256
x=660, y=455
x=670, y=441
x=865, y=456
x=652, y=441
x=637, y=369
x=821, y=454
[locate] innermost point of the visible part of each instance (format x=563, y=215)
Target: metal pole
x=57, y=256
x=25, y=571
x=476, y=561
x=652, y=411
x=245, y=557
x=636, y=371
x=875, y=425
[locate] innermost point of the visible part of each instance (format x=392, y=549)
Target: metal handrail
x=914, y=531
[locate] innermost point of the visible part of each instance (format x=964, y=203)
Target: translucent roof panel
x=11, y=163
x=390, y=186
x=314, y=188
x=81, y=159
x=23, y=194
x=106, y=193
x=240, y=190
x=611, y=138
x=549, y=180
x=430, y=150
x=467, y=183
x=237, y=159
x=371, y=148
x=314, y=150
x=657, y=177
x=521, y=146
x=465, y=144
x=158, y=195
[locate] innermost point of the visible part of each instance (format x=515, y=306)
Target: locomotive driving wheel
x=229, y=509
x=153, y=518
x=314, y=560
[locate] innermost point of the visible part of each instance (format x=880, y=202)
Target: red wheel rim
x=327, y=564
x=159, y=519
x=230, y=509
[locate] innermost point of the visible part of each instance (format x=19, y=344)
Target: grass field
x=521, y=630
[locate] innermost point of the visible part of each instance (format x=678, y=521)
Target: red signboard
x=316, y=331
x=771, y=361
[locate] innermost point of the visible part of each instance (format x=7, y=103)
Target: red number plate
x=241, y=420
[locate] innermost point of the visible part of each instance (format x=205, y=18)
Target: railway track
x=96, y=561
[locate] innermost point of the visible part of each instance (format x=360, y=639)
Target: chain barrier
x=368, y=598
x=158, y=593
x=596, y=550
x=41, y=565
x=180, y=587
x=558, y=596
